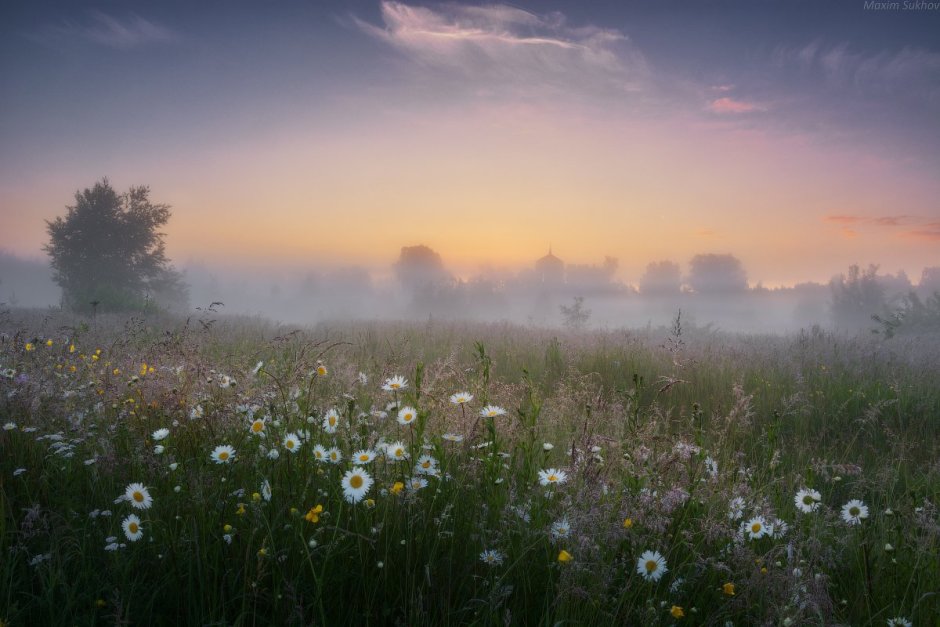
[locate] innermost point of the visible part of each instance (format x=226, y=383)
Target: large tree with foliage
x=108, y=252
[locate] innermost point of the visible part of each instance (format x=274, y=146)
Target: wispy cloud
x=916, y=71
x=733, y=106
x=929, y=231
x=503, y=41
x=915, y=227
x=106, y=30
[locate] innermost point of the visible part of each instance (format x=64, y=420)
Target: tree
x=108, y=254
x=856, y=297
x=577, y=315
x=717, y=275
x=419, y=267
x=662, y=278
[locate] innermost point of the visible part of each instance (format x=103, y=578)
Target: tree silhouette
x=108, y=250
x=662, y=278
x=717, y=275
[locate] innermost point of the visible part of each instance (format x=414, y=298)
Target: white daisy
x=491, y=411
x=257, y=427
x=356, y=484
x=266, y=490
x=452, y=437
x=552, y=476
x=132, y=528
x=854, y=512
x=334, y=455
x=397, y=451
x=807, y=500
x=160, y=434
x=492, y=557
x=416, y=483
x=291, y=442
x=461, y=398
x=395, y=384
x=331, y=421
x=651, y=565
x=711, y=467
x=223, y=454
x=407, y=415
x=561, y=529
x=899, y=621
x=363, y=457
x=426, y=465
x=757, y=528
x=736, y=508
x=138, y=496
x=319, y=453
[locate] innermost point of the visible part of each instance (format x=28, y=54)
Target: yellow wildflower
x=29, y=346
x=397, y=488
x=627, y=523
x=72, y=350
x=255, y=496
x=321, y=370
x=677, y=612
x=241, y=509
x=728, y=589
x=143, y=369
x=564, y=556
x=48, y=342
x=227, y=528
x=314, y=514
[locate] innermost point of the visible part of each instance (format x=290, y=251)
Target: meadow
x=229, y=471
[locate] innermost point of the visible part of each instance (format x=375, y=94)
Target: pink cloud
x=730, y=105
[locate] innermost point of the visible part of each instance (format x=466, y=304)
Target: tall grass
x=657, y=429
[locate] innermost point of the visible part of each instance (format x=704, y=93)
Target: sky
x=800, y=136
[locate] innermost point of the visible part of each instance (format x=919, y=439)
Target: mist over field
x=549, y=293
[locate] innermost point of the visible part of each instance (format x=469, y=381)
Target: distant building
x=550, y=270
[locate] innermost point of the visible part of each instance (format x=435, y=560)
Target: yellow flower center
x=139, y=497
x=133, y=527
x=290, y=444
x=426, y=464
x=332, y=421
x=355, y=482
x=854, y=511
x=807, y=500
x=257, y=426
x=321, y=370
x=553, y=478
x=364, y=457
x=408, y=417
x=223, y=455
x=395, y=386
x=651, y=566
x=755, y=528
